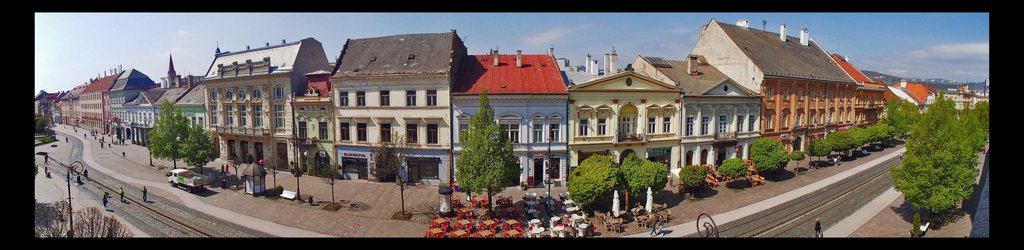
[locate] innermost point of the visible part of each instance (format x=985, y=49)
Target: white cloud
x=182, y=32
x=967, y=61
x=953, y=52
x=898, y=72
x=553, y=34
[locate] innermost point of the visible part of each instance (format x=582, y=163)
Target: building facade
x=719, y=116
x=127, y=87
x=70, y=106
x=868, y=101
x=192, y=105
x=95, y=102
x=623, y=114
x=141, y=114
x=529, y=98
x=397, y=86
x=313, y=111
x=805, y=95
x=248, y=95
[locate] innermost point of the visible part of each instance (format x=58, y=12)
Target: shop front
x=355, y=162
x=662, y=155
x=425, y=166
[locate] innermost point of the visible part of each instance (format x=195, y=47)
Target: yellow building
x=622, y=114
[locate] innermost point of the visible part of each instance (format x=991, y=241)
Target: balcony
x=241, y=131
x=730, y=136
x=630, y=138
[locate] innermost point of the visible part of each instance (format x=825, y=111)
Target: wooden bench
x=288, y=195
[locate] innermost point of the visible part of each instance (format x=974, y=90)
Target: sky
x=71, y=48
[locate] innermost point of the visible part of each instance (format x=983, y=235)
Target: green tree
x=733, y=167
x=594, y=179
x=170, y=129
x=486, y=162
x=329, y=176
x=692, y=177
x=820, y=148
x=900, y=116
x=939, y=167
x=768, y=155
x=879, y=132
x=841, y=141
x=638, y=174
x=198, y=149
x=388, y=157
x=917, y=225
x=42, y=122
x=797, y=156
x=976, y=124
x=859, y=137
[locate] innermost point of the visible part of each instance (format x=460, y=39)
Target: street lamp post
x=550, y=170
x=177, y=139
x=71, y=214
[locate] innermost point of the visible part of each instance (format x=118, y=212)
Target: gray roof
x=194, y=96
x=282, y=57
x=788, y=59
x=133, y=79
x=398, y=54
x=172, y=94
x=707, y=78
x=75, y=92
x=151, y=96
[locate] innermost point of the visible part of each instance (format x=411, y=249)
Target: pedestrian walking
x=661, y=228
x=86, y=173
x=817, y=229
x=105, y=200
x=654, y=230
x=121, y=192
x=144, y=191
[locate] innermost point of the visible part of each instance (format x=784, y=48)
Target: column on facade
x=697, y=122
x=746, y=149
x=711, y=157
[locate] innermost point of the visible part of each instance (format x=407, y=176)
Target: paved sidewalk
x=49, y=190
x=851, y=223
x=722, y=218
x=191, y=201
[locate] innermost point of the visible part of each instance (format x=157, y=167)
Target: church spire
x=170, y=66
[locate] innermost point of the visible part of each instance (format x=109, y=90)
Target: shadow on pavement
x=738, y=184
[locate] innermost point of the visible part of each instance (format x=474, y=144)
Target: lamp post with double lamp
x=177, y=139
x=71, y=220
x=550, y=171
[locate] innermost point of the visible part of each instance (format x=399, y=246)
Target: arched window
x=256, y=94
x=227, y=95
x=213, y=95
x=241, y=95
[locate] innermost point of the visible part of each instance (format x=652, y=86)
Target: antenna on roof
x=764, y=24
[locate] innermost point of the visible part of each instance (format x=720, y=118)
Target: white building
x=529, y=98
x=396, y=86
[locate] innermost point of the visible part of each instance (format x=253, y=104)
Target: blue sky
x=70, y=48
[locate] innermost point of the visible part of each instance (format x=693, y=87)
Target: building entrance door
x=538, y=171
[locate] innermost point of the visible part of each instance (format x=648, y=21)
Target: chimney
x=903, y=83
x=588, y=62
x=282, y=41
x=607, y=59
x=805, y=37
x=691, y=65
x=614, y=63
x=782, y=32
x=551, y=51
x=495, y=54
x=847, y=59
x=268, y=45
x=246, y=47
x=743, y=23
x=519, y=58
x=595, y=70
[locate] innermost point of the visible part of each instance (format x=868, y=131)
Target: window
x=257, y=115
x=410, y=98
x=213, y=95
x=557, y=164
x=830, y=114
x=385, y=132
x=231, y=115
x=302, y=129
x=722, y=121
x=739, y=123
x=345, y=136
x=256, y=95
x=360, y=98
x=411, y=133
x=213, y=115
x=810, y=94
x=768, y=93
x=785, y=120
x=361, y=131
x=201, y=123
x=785, y=94
x=242, y=115
x=704, y=121
x=278, y=93
x=768, y=121
x=538, y=132
x=583, y=127
x=227, y=95
x=513, y=132
x=431, y=97
x=279, y=116
x=323, y=130
x=385, y=98
x=432, y=134
x=553, y=132
x=689, y=125
x=652, y=124
x=462, y=129
x=798, y=118
x=750, y=124
x=601, y=125
x=666, y=124
x=241, y=95
x=799, y=94
x=343, y=98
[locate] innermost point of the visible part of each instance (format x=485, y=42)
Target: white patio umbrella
x=650, y=200
x=615, y=204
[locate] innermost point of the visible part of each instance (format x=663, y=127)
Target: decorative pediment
x=728, y=88
x=626, y=81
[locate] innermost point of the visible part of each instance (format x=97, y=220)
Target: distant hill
x=934, y=83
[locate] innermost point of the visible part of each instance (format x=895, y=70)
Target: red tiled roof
x=101, y=84
x=539, y=75
x=853, y=71
x=320, y=82
x=919, y=90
